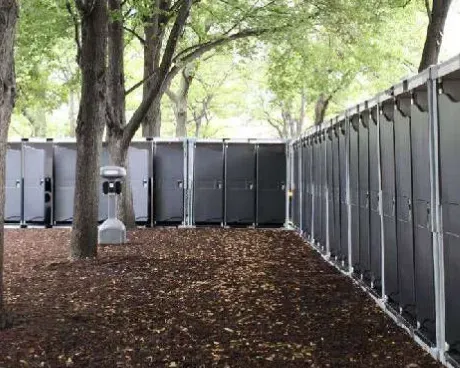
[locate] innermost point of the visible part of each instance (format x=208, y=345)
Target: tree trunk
x=119, y=156
x=180, y=100
x=90, y=125
x=320, y=108
x=72, y=114
x=116, y=114
x=301, y=121
x=198, y=122
x=8, y=18
x=154, y=34
x=434, y=33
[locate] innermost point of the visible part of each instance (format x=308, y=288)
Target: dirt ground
x=191, y=298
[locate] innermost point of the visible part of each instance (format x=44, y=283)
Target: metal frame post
x=436, y=218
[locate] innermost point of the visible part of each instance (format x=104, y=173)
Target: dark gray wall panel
x=336, y=192
x=296, y=194
x=342, y=154
x=334, y=249
x=355, y=193
x=375, y=221
x=240, y=183
x=316, y=163
x=449, y=111
x=271, y=184
x=65, y=158
x=209, y=183
x=387, y=151
x=324, y=199
x=306, y=188
x=168, y=169
x=423, y=245
x=13, y=183
x=364, y=213
x=139, y=158
x=404, y=225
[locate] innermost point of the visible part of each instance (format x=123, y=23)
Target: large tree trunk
x=8, y=18
x=116, y=118
x=154, y=34
x=434, y=33
x=90, y=126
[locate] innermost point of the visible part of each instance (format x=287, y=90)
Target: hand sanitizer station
x=112, y=230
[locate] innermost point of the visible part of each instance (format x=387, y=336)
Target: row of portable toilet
x=179, y=182
x=378, y=189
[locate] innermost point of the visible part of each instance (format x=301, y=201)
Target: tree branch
x=161, y=78
x=135, y=34
x=428, y=10
x=77, y=30
x=195, y=51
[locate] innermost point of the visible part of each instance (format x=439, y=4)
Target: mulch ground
x=191, y=298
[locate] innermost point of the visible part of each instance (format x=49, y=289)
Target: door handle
x=42, y=181
x=180, y=184
x=18, y=183
x=219, y=185
x=145, y=183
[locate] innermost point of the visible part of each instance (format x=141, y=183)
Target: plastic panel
x=387, y=154
x=423, y=244
x=13, y=183
x=168, y=169
x=375, y=221
x=364, y=215
x=38, y=175
x=342, y=155
x=449, y=111
x=355, y=209
x=240, y=183
x=209, y=183
x=271, y=184
x=65, y=159
x=404, y=223
x=139, y=163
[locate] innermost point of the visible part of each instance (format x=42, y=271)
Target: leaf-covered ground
x=191, y=298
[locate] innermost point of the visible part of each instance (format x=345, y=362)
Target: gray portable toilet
x=271, y=183
x=38, y=182
x=13, y=183
x=140, y=176
x=65, y=159
x=208, y=198
x=169, y=182
x=240, y=183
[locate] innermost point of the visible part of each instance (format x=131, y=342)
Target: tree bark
x=8, y=18
x=90, y=125
x=301, y=121
x=154, y=35
x=321, y=107
x=116, y=114
x=434, y=33
x=72, y=114
x=180, y=99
